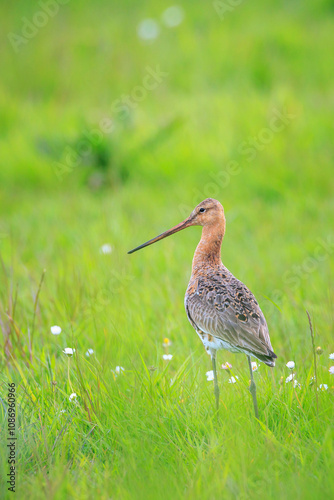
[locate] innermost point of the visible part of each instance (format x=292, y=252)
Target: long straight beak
x=175, y=229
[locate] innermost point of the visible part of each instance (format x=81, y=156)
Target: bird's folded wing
x=223, y=323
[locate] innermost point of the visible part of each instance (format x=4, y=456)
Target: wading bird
x=224, y=313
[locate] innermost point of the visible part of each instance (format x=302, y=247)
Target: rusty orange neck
x=208, y=250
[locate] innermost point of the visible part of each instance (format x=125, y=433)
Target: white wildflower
x=106, y=248
x=173, y=16
x=296, y=384
x=55, y=330
x=209, y=376
x=166, y=342
x=226, y=366
x=89, y=352
x=148, y=29
x=118, y=371
x=69, y=351
x=73, y=397
x=233, y=380
x=167, y=357
x=323, y=387
x=289, y=378
x=331, y=356
x=254, y=366
x=290, y=365
x=331, y=370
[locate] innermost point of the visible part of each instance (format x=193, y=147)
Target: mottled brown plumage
x=228, y=311
x=224, y=313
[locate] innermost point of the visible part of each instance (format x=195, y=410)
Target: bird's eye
x=202, y=210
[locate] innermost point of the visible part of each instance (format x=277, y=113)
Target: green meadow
x=112, y=128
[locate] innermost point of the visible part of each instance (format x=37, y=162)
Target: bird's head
x=209, y=212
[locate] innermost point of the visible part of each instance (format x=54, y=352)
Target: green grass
x=151, y=432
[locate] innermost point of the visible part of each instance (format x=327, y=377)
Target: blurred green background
x=204, y=129
x=116, y=119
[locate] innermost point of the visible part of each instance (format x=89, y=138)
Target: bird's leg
x=252, y=388
x=215, y=379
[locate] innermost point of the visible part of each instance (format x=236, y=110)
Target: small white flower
x=106, y=248
x=69, y=351
x=323, y=387
x=331, y=370
x=289, y=378
x=331, y=356
x=226, y=366
x=254, y=366
x=173, y=16
x=166, y=342
x=209, y=376
x=89, y=352
x=233, y=380
x=148, y=29
x=119, y=369
x=296, y=384
x=64, y=411
x=168, y=357
x=290, y=365
x=55, y=330
x=73, y=397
